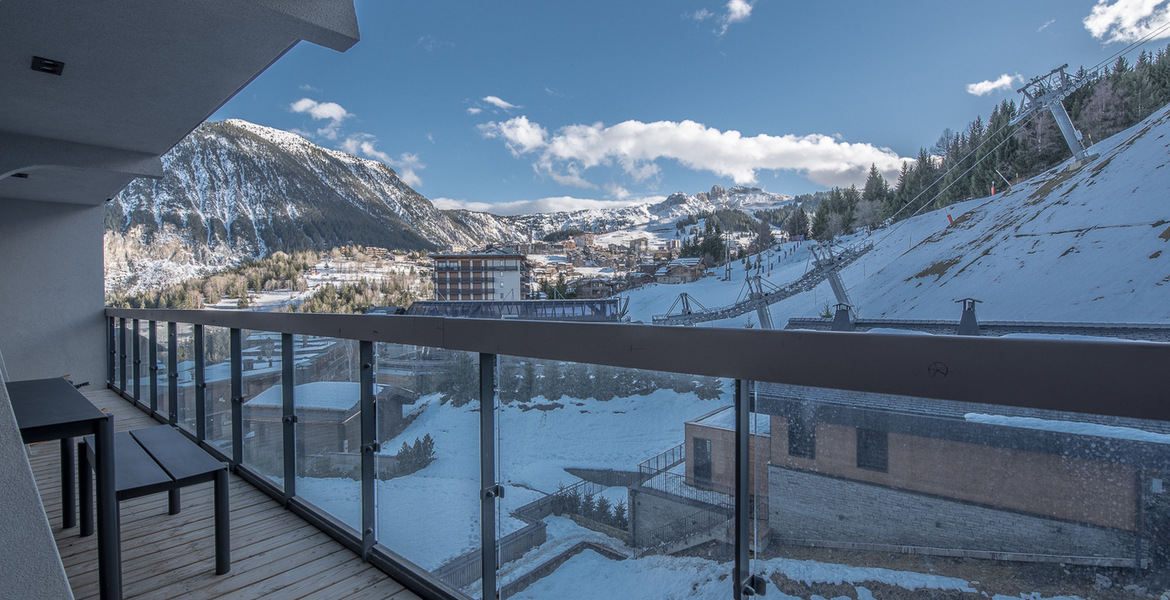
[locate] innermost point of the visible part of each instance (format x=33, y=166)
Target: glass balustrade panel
x=428, y=480
x=217, y=396
x=262, y=410
x=623, y=479
x=327, y=405
x=185, y=370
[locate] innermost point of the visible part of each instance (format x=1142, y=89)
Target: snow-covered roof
x=724, y=418
x=320, y=395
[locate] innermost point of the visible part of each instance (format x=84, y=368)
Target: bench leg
x=173, y=501
x=68, y=504
x=85, y=480
x=223, y=558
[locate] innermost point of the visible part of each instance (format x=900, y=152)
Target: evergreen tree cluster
x=593, y=507
x=987, y=155
x=728, y=219
x=1119, y=98
x=562, y=235
x=414, y=457
x=358, y=296
x=521, y=380
x=278, y=271
x=708, y=245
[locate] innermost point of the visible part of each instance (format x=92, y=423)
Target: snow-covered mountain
x=234, y=190
x=1088, y=243
x=676, y=205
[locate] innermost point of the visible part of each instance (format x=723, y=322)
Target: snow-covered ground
x=534, y=449
x=1087, y=244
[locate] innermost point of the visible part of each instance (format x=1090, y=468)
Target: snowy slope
x=1078, y=243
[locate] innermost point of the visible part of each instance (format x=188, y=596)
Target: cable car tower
x=1048, y=91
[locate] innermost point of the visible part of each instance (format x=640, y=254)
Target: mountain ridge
x=234, y=190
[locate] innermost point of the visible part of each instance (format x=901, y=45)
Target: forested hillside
x=969, y=163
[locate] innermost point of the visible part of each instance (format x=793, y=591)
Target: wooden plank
x=274, y=552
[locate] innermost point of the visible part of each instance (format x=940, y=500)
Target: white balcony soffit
x=138, y=76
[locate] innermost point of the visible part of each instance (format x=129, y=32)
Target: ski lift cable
x=955, y=180
x=1126, y=50
x=1149, y=36
x=986, y=139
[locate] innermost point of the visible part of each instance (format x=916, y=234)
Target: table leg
x=173, y=503
x=68, y=490
x=223, y=554
x=85, y=480
x=109, y=528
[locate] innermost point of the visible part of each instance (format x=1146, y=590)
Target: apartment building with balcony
x=488, y=275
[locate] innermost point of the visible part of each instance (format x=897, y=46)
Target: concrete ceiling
x=138, y=76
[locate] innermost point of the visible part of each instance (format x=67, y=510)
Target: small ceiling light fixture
x=47, y=65
x=20, y=175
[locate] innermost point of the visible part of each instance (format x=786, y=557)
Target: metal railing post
x=369, y=447
x=200, y=387
x=746, y=584
x=490, y=489
x=111, y=352
x=122, y=354
x=152, y=340
x=136, y=356
x=237, y=376
x=289, y=418
x=172, y=372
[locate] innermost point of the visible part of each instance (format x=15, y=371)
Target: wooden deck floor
x=274, y=552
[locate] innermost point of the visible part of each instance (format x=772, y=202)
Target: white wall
x=52, y=290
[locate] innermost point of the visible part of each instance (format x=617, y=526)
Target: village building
x=488, y=275
x=681, y=270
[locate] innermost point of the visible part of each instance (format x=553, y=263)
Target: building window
x=802, y=437
x=873, y=449
x=702, y=462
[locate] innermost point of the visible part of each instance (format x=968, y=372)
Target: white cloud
x=738, y=11
x=635, y=147
x=499, y=103
x=1004, y=82
x=1128, y=20
x=331, y=111
x=308, y=88
x=519, y=134
x=430, y=44
x=700, y=15
x=526, y=207
x=1045, y=26
x=474, y=110
x=406, y=165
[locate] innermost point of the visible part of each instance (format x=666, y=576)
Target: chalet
x=681, y=270
x=328, y=418
x=595, y=287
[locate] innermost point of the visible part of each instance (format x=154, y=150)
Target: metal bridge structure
x=759, y=294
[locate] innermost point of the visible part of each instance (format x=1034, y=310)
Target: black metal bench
x=158, y=459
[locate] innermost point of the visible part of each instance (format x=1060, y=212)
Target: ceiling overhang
x=138, y=76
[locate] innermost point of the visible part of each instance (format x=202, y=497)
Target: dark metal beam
x=200, y=387
x=289, y=416
x=153, y=369
x=487, y=471
x=369, y=420
x=172, y=372
x=1099, y=377
x=237, y=383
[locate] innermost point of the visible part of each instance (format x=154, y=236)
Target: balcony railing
x=291, y=401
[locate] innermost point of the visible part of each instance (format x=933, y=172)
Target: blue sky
x=535, y=106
